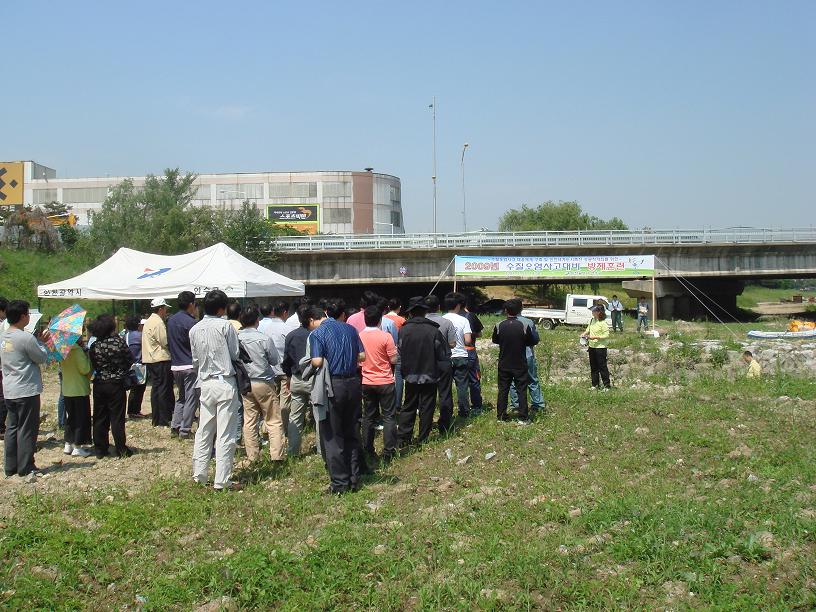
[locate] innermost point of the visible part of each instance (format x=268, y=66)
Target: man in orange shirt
x=378, y=385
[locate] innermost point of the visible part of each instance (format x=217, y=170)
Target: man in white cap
x=156, y=356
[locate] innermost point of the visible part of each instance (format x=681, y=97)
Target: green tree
x=555, y=216
x=247, y=231
x=154, y=218
x=56, y=208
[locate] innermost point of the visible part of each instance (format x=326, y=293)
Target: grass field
x=701, y=494
x=22, y=271
x=754, y=294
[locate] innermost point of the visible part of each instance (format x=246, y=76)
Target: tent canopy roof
x=133, y=275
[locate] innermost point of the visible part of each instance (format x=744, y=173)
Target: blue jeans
x=536, y=399
x=475, y=380
x=461, y=377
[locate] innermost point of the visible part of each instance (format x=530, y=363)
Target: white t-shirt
x=462, y=327
x=293, y=321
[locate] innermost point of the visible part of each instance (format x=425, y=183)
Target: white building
x=341, y=202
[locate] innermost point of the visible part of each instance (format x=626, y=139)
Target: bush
x=718, y=357
x=684, y=355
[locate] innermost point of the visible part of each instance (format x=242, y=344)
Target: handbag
x=241, y=375
x=138, y=372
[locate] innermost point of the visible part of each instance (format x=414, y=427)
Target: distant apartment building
x=328, y=202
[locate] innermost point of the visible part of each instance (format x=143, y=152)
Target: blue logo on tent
x=150, y=273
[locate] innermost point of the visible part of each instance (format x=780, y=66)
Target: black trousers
x=521, y=378
x=461, y=376
x=339, y=439
x=2, y=406
x=22, y=426
x=419, y=398
x=598, y=367
x=78, y=420
x=134, y=401
x=444, y=387
x=162, y=400
x=376, y=399
x=109, y=415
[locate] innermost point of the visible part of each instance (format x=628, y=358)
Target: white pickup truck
x=577, y=312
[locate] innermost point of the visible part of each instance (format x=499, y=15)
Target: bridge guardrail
x=547, y=239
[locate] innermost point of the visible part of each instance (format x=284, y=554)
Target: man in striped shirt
x=214, y=345
x=337, y=346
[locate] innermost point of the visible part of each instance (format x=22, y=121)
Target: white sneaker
x=81, y=452
x=69, y=448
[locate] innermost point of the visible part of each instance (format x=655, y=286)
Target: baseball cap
x=158, y=302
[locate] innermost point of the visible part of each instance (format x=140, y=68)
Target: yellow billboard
x=11, y=183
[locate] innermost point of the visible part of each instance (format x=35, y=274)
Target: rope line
x=439, y=280
x=696, y=297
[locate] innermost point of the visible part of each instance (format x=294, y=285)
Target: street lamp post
x=433, y=176
x=384, y=223
x=464, y=200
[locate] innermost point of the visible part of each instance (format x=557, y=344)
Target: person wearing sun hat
x=156, y=356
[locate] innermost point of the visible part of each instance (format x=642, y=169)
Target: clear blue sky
x=667, y=114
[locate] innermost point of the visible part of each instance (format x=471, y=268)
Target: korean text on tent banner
x=598, y=266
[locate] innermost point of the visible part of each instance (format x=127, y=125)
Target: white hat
x=158, y=302
x=143, y=321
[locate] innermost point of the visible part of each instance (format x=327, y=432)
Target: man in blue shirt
x=181, y=364
x=337, y=346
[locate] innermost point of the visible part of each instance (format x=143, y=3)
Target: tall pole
x=654, y=298
x=464, y=200
x=433, y=176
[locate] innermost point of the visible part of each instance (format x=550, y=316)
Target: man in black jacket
x=513, y=337
x=423, y=352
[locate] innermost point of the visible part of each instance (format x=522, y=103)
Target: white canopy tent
x=133, y=275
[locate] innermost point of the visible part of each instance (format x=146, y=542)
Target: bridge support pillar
x=676, y=301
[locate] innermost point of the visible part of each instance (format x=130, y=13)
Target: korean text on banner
x=598, y=266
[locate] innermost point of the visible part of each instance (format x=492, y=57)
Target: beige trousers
x=262, y=402
x=218, y=407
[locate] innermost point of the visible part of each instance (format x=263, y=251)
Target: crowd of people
x=265, y=371
x=270, y=371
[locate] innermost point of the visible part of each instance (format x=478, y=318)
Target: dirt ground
x=155, y=455
x=777, y=308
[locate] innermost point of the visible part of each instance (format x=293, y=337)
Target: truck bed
x=537, y=314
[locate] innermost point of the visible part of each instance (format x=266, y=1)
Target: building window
x=84, y=195
x=336, y=215
x=44, y=196
x=396, y=218
x=202, y=193
x=239, y=191
x=337, y=190
x=292, y=190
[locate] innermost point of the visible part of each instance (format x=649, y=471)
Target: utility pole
x=464, y=200
x=433, y=176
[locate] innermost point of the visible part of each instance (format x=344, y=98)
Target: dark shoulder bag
x=241, y=374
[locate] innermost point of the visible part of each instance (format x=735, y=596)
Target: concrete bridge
x=715, y=262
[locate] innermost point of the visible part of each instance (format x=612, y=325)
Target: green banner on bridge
x=598, y=266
